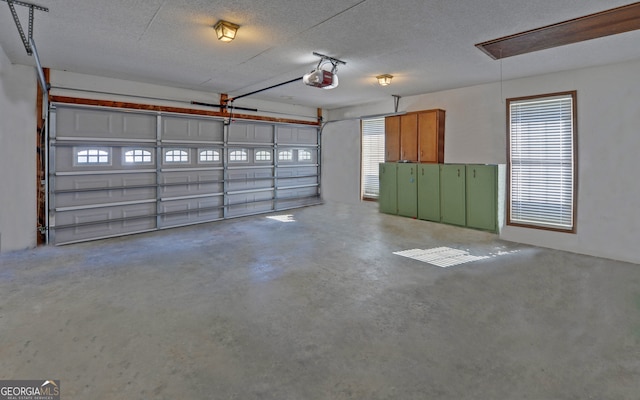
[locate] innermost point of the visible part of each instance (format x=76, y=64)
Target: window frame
x=243, y=151
x=181, y=150
x=574, y=173
x=134, y=149
x=259, y=152
x=305, y=151
x=78, y=150
x=214, y=152
x=288, y=151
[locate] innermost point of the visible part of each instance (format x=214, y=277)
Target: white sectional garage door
x=114, y=172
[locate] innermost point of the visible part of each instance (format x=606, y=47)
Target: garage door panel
x=289, y=198
x=297, y=192
x=82, y=190
x=294, y=135
x=103, y=197
x=241, y=132
x=71, y=182
x=92, y=123
x=297, y=176
x=180, y=128
x=103, y=222
x=190, y=211
x=87, y=215
x=245, y=179
x=297, y=181
x=297, y=171
x=186, y=183
x=250, y=203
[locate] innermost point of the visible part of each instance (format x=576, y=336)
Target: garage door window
x=93, y=156
x=285, y=155
x=176, y=156
x=304, y=155
x=209, y=156
x=238, y=155
x=263, y=155
x=138, y=156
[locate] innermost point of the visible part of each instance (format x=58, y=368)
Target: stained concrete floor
x=319, y=308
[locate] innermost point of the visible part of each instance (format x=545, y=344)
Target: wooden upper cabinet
x=409, y=137
x=392, y=139
x=415, y=137
x=431, y=136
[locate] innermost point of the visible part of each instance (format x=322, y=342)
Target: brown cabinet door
x=431, y=136
x=409, y=137
x=392, y=139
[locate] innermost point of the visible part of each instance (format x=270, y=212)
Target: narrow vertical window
x=542, y=161
x=372, y=155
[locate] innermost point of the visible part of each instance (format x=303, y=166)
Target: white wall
x=340, y=157
x=608, y=222
x=17, y=155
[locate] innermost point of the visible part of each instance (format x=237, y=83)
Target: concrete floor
x=319, y=308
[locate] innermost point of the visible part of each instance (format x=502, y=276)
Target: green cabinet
x=388, y=197
x=457, y=194
x=429, y=192
x=482, y=196
x=453, y=194
x=408, y=190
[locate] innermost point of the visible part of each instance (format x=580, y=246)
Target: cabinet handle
x=422, y=171
x=411, y=170
x=474, y=172
x=458, y=172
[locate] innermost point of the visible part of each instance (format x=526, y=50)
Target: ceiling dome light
x=225, y=30
x=384, y=80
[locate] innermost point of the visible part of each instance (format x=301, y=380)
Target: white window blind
x=541, y=161
x=372, y=155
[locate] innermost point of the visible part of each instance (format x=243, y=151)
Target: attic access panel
x=605, y=23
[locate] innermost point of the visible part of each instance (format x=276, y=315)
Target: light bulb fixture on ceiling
x=225, y=30
x=384, y=80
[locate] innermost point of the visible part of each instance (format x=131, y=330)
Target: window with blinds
x=541, y=140
x=372, y=156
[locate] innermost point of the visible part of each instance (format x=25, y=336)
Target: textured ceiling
x=428, y=45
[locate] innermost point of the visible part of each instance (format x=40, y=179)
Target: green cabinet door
x=482, y=197
x=429, y=192
x=388, y=198
x=408, y=190
x=452, y=194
